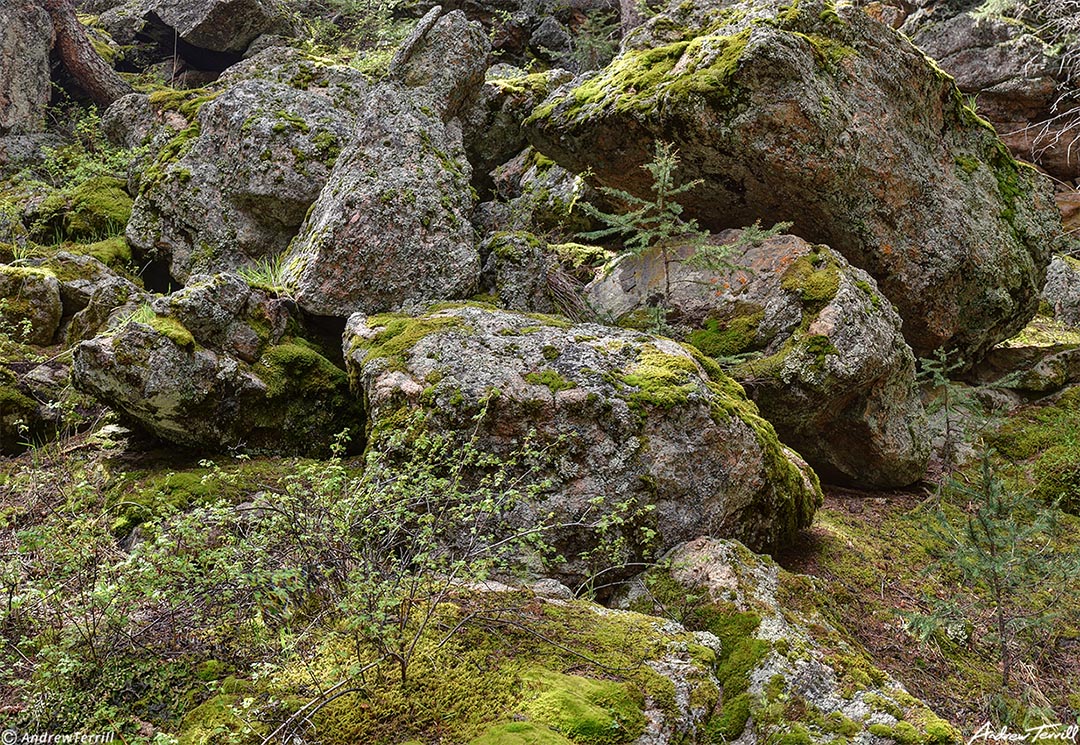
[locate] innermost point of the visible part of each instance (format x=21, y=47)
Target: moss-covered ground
x=880, y=552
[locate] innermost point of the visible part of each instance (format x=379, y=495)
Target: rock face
x=829, y=366
x=785, y=668
x=647, y=424
x=1062, y=290
x=238, y=196
x=517, y=272
x=30, y=305
x=200, y=26
x=221, y=25
x=391, y=226
x=1016, y=77
x=25, y=84
x=802, y=114
x=214, y=366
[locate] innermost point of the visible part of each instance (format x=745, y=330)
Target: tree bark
x=630, y=15
x=93, y=74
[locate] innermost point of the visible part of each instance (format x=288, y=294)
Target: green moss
x=868, y=290
x=815, y=278
x=327, y=146
x=796, y=735
x=731, y=722
x=296, y=369
x=288, y=120
x=217, y=722
x=400, y=333
x=537, y=84
x=521, y=733
x=98, y=207
x=114, y=252
x=174, y=150
x=550, y=378
x=642, y=81
x=187, y=103
x=174, y=330
x=587, y=711
x=578, y=255
x=721, y=338
x=660, y=380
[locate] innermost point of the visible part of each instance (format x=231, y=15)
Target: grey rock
x=221, y=25
x=238, y=196
x=113, y=302
x=627, y=417
x=1015, y=78
x=131, y=121
x=25, y=151
x=25, y=82
x=492, y=119
x=804, y=117
x=445, y=58
x=30, y=304
x=391, y=227
x=517, y=271
x=180, y=369
x=1062, y=289
x=829, y=368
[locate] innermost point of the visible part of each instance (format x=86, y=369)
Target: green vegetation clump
x=173, y=329
x=400, y=333
x=551, y=379
x=727, y=338
x=642, y=81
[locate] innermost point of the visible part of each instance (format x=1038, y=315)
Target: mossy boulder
x=518, y=272
x=640, y=428
x=392, y=227
x=219, y=365
x=811, y=338
x=96, y=208
x=801, y=112
x=232, y=189
x=30, y=305
x=788, y=672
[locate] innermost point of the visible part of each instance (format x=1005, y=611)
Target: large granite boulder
x=811, y=338
x=207, y=31
x=648, y=438
x=261, y=154
x=830, y=120
x=787, y=671
x=215, y=366
x=392, y=227
x=25, y=83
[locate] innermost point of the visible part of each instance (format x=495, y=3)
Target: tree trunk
x=630, y=16
x=93, y=74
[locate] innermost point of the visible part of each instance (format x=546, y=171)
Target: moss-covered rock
x=652, y=422
x=787, y=111
x=94, y=209
x=30, y=305
x=788, y=672
x=811, y=338
x=232, y=188
x=217, y=365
